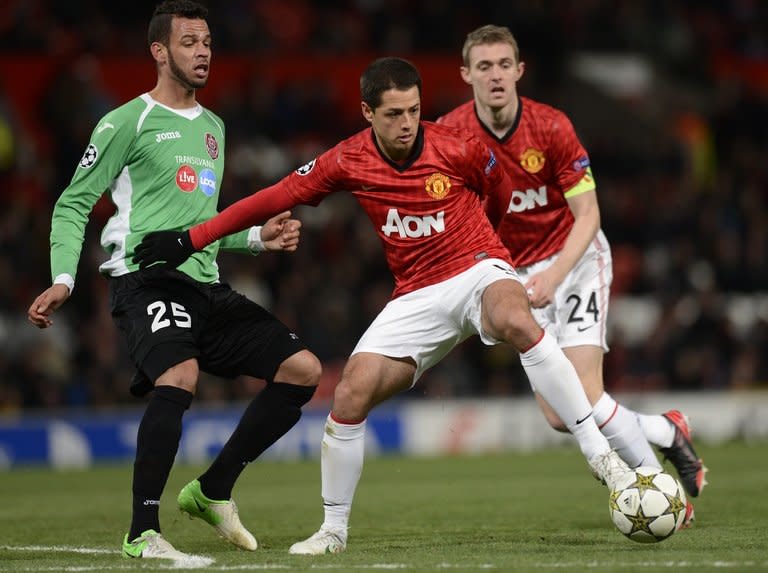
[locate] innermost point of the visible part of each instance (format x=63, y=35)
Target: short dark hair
x=386, y=74
x=160, y=24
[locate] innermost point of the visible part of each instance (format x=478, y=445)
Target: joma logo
x=166, y=135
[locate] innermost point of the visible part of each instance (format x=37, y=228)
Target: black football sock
x=270, y=415
x=156, y=445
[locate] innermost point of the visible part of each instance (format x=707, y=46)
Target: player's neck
x=498, y=120
x=173, y=95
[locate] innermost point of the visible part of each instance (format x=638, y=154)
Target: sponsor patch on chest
x=167, y=136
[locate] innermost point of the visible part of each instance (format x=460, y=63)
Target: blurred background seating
x=670, y=99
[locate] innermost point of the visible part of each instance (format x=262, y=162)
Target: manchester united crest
x=532, y=160
x=437, y=185
x=212, y=145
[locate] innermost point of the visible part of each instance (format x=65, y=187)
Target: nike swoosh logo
x=583, y=328
x=179, y=240
x=367, y=187
x=583, y=419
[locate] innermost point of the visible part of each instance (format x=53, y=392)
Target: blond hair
x=489, y=34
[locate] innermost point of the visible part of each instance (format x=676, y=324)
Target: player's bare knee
x=301, y=369
x=520, y=329
x=183, y=375
x=350, y=402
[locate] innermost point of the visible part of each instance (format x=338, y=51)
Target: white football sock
x=341, y=464
x=624, y=433
x=657, y=429
x=553, y=376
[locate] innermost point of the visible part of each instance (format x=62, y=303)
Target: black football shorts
x=167, y=318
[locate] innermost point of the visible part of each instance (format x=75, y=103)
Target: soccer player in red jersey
x=548, y=217
x=421, y=185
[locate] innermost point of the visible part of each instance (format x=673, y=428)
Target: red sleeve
x=252, y=210
x=308, y=185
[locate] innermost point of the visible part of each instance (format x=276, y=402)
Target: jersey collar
x=511, y=129
x=418, y=147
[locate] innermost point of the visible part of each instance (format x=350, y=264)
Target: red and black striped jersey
x=545, y=162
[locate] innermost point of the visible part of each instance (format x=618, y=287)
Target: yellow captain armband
x=587, y=183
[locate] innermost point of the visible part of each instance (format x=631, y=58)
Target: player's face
x=493, y=73
x=189, y=53
x=396, y=121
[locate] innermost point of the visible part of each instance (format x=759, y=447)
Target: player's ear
x=158, y=51
x=464, y=70
x=367, y=111
x=520, y=70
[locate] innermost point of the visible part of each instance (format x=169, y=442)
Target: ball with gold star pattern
x=648, y=505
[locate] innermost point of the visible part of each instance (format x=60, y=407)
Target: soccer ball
x=647, y=505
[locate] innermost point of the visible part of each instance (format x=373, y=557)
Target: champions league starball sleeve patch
x=306, y=168
x=89, y=157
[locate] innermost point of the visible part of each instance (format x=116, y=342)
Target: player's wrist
x=65, y=279
x=255, y=242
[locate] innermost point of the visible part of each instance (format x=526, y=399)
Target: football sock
x=341, y=463
x=624, y=433
x=268, y=417
x=156, y=445
x=553, y=376
x=657, y=429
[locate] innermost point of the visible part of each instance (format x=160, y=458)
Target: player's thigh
x=369, y=379
x=159, y=320
x=241, y=337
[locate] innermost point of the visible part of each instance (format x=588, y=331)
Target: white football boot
x=322, y=542
x=609, y=468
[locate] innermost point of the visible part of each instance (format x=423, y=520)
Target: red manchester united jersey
x=544, y=160
x=427, y=211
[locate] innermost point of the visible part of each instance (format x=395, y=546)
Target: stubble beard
x=183, y=79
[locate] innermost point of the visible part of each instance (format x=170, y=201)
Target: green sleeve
x=237, y=243
x=102, y=163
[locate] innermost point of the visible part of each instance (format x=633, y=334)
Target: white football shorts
x=427, y=323
x=578, y=316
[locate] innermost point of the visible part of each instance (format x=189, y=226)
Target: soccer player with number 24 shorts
x=421, y=185
x=548, y=217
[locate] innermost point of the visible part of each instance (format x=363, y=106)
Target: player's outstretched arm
x=171, y=248
x=42, y=308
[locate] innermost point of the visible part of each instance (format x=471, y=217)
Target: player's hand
x=541, y=288
x=52, y=298
x=281, y=233
x=164, y=249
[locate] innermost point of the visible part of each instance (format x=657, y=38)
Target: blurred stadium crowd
x=670, y=98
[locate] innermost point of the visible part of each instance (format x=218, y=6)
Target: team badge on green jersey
x=212, y=145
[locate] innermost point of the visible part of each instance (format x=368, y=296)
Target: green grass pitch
x=508, y=512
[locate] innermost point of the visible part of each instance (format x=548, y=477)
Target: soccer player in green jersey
x=160, y=158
